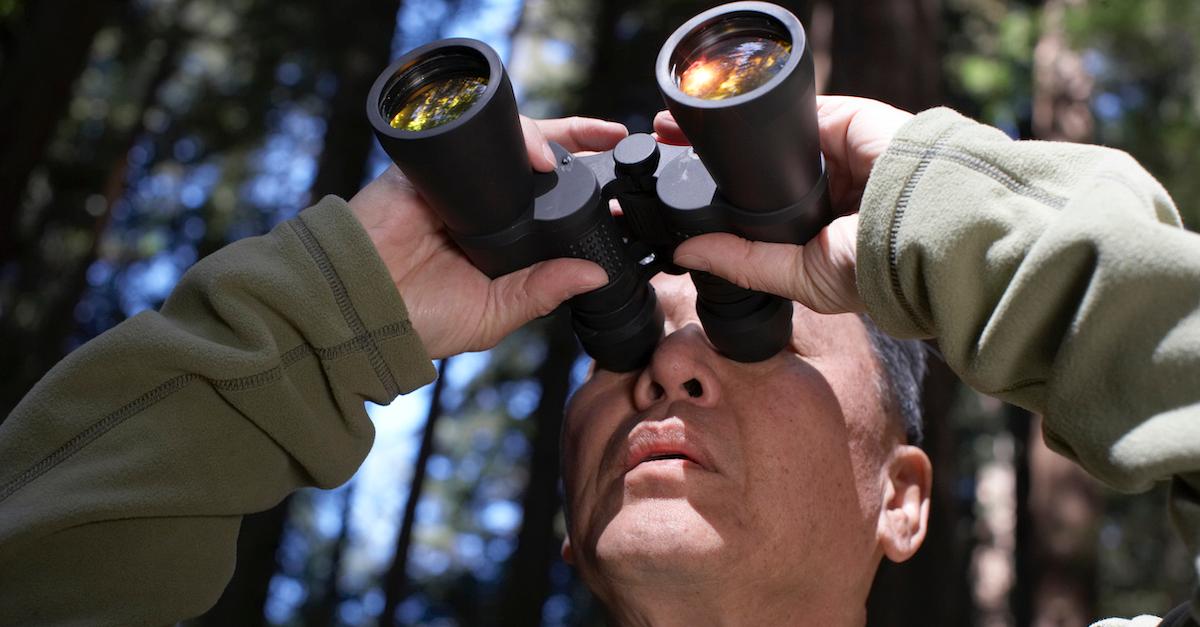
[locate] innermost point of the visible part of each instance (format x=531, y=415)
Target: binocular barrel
x=446, y=115
x=739, y=81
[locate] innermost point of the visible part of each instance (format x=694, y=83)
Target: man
x=127, y=469
x=700, y=491
x=708, y=492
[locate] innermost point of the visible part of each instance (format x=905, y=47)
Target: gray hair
x=903, y=366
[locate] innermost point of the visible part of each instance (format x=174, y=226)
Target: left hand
x=454, y=307
x=820, y=275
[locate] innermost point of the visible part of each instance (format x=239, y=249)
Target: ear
x=567, y=555
x=904, y=515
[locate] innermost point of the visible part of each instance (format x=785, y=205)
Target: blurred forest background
x=137, y=136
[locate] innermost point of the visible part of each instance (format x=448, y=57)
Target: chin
x=657, y=538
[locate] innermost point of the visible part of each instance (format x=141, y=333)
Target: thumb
x=532, y=292
x=819, y=275
x=760, y=266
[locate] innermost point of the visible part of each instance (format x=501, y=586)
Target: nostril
x=693, y=387
x=656, y=391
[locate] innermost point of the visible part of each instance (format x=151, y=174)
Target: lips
x=664, y=440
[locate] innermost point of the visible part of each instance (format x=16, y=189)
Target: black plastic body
x=761, y=151
x=475, y=173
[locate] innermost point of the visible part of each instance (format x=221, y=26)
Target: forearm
x=126, y=470
x=1054, y=276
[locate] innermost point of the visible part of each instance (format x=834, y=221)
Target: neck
x=730, y=605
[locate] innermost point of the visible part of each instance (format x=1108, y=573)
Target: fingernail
x=694, y=262
x=549, y=154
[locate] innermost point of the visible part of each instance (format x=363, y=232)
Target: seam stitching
x=95, y=430
x=349, y=313
x=893, y=245
x=985, y=167
x=174, y=384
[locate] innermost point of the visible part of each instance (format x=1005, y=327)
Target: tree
x=360, y=40
x=395, y=581
x=890, y=51
x=36, y=82
x=357, y=41
x=1056, y=561
x=45, y=271
x=528, y=570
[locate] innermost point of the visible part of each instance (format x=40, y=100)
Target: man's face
x=700, y=468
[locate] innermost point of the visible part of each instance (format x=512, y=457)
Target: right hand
x=820, y=274
x=453, y=306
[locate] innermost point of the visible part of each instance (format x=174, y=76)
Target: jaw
x=659, y=541
x=662, y=567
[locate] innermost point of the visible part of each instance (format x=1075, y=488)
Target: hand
x=819, y=274
x=454, y=307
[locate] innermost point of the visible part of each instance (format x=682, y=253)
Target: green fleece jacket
x=1054, y=276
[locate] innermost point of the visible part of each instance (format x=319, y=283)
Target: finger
x=578, y=133
x=667, y=130
x=517, y=298
x=540, y=155
x=760, y=266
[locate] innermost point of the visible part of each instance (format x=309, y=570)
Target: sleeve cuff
x=885, y=201
x=366, y=297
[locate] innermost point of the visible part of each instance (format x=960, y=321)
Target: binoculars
x=739, y=81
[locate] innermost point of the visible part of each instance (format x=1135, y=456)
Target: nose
x=681, y=369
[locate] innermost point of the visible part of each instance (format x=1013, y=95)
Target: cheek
x=801, y=470
x=590, y=423
x=799, y=438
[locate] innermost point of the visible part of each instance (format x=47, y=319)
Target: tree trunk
x=245, y=597
x=49, y=50
x=931, y=588
x=39, y=342
x=1025, y=575
x=395, y=581
x=620, y=83
x=528, y=570
x=889, y=51
x=1065, y=508
x=1064, y=501
x=1062, y=86
x=323, y=609
x=362, y=33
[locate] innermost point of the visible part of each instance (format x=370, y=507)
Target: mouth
x=658, y=458
x=666, y=442
x=662, y=456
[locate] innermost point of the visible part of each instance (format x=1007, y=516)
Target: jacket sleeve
x=125, y=472
x=1054, y=276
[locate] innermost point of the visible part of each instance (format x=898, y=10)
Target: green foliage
x=10, y=8
x=989, y=60
x=175, y=89
x=1146, y=61
x=1143, y=57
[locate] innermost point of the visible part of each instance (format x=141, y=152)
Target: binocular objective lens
x=732, y=66
x=437, y=102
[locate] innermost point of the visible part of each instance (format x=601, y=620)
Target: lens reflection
x=733, y=66
x=438, y=102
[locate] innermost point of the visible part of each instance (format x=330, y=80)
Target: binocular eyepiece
x=739, y=81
